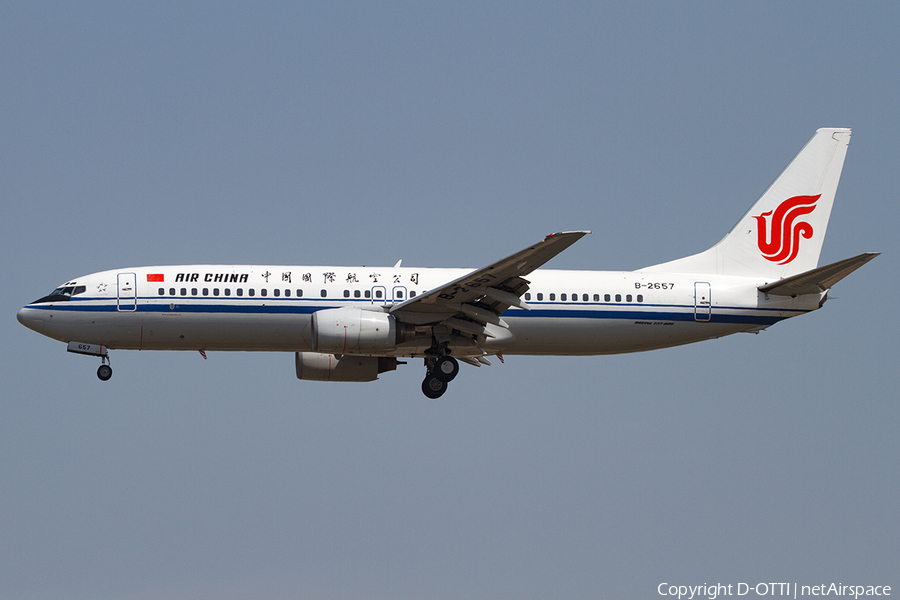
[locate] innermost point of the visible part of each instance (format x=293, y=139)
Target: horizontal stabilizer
x=817, y=280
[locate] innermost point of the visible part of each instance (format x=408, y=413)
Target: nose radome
x=31, y=318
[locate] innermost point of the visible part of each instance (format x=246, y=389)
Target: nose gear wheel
x=104, y=372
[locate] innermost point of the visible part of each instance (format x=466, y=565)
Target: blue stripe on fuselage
x=587, y=310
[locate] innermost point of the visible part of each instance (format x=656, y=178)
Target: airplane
x=354, y=323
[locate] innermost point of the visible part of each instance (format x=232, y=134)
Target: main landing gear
x=439, y=372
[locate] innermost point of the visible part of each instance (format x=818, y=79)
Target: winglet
x=582, y=233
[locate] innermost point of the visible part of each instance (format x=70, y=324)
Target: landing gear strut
x=105, y=371
x=440, y=372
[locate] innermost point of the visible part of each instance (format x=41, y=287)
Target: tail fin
x=782, y=234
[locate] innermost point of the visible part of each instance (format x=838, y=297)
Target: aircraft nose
x=31, y=318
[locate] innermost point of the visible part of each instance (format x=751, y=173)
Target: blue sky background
x=447, y=134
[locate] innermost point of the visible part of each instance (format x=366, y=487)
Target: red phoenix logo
x=779, y=238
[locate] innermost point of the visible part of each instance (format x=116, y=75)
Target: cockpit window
x=62, y=293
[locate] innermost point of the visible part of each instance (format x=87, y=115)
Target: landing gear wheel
x=445, y=368
x=433, y=387
x=104, y=372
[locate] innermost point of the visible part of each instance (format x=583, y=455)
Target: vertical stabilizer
x=782, y=234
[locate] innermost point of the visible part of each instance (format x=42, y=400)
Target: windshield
x=62, y=293
x=68, y=290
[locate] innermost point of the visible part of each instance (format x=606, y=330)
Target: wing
x=473, y=303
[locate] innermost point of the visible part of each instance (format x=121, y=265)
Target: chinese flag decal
x=155, y=277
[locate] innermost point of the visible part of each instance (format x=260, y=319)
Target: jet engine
x=355, y=331
x=328, y=367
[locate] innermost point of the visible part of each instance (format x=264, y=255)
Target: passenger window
x=240, y=291
x=193, y=291
x=346, y=293
x=356, y=294
x=251, y=292
x=183, y=291
x=162, y=291
x=562, y=297
x=171, y=291
x=206, y=291
x=640, y=298
x=574, y=297
x=276, y=292
x=412, y=294
x=264, y=292
x=540, y=296
x=368, y=294
x=323, y=293
x=215, y=291
x=287, y=293
x=596, y=297
x=552, y=297
x=606, y=298
x=628, y=298
x=399, y=294
x=618, y=297
x=584, y=297
x=527, y=295
x=378, y=293
x=299, y=293
x=227, y=291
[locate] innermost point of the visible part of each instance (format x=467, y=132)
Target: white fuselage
x=269, y=308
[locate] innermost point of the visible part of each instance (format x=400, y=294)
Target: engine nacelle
x=355, y=331
x=327, y=367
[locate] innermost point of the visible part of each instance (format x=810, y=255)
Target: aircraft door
x=702, y=301
x=127, y=290
x=379, y=294
x=399, y=294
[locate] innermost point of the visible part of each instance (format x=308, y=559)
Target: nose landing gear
x=104, y=372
